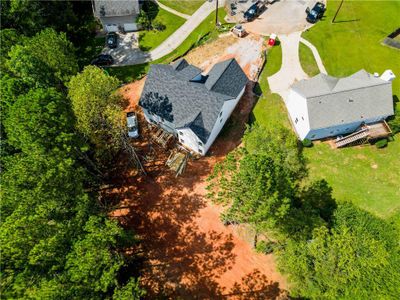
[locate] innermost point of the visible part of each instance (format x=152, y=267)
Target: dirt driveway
x=282, y=17
x=189, y=253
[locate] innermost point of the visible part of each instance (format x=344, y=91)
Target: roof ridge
x=353, y=89
x=231, y=60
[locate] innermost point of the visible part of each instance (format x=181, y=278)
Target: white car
x=132, y=122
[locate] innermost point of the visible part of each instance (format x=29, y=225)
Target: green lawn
x=367, y=176
x=149, y=40
x=270, y=109
x=307, y=60
x=206, y=31
x=354, y=41
x=184, y=6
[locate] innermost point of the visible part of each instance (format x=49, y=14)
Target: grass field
x=186, y=6
x=354, y=41
x=270, y=109
x=367, y=176
x=307, y=60
x=205, y=31
x=149, y=40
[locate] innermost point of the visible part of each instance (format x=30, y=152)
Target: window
x=180, y=132
x=296, y=120
x=220, y=120
x=220, y=114
x=200, y=151
x=162, y=119
x=200, y=144
x=182, y=141
x=351, y=100
x=302, y=118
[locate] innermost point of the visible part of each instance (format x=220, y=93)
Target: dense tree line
x=56, y=240
x=328, y=250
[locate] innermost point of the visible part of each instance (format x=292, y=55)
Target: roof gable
x=226, y=77
x=170, y=93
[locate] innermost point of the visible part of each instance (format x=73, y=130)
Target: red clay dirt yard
x=189, y=253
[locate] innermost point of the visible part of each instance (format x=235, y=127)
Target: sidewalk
x=174, y=41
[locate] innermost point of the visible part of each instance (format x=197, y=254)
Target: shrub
x=265, y=247
x=158, y=26
x=307, y=143
x=381, y=143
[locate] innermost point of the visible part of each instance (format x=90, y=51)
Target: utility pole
x=216, y=13
x=337, y=12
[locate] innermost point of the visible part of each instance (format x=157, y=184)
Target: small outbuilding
x=189, y=104
x=325, y=106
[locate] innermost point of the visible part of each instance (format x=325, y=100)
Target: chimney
x=388, y=75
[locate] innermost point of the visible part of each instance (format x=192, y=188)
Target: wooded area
x=328, y=250
x=57, y=240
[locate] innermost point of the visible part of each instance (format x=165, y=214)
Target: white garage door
x=111, y=28
x=131, y=27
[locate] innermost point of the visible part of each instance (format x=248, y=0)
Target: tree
x=98, y=110
x=95, y=260
x=45, y=60
x=259, y=182
x=39, y=121
x=130, y=291
x=357, y=258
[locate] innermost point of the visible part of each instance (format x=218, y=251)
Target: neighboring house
x=117, y=15
x=325, y=106
x=192, y=106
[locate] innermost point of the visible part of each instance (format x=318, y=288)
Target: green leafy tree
x=259, y=182
x=98, y=109
x=358, y=258
x=39, y=121
x=47, y=59
x=130, y=291
x=95, y=261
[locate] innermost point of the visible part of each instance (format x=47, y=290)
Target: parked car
x=112, y=40
x=103, y=60
x=238, y=30
x=315, y=13
x=132, y=122
x=254, y=11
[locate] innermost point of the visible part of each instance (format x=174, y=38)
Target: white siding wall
x=156, y=119
x=297, y=108
x=342, y=129
x=189, y=139
x=227, y=110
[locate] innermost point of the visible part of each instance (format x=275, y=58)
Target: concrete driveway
x=282, y=17
x=128, y=48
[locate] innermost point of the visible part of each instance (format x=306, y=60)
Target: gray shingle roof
x=333, y=101
x=115, y=7
x=226, y=78
x=169, y=93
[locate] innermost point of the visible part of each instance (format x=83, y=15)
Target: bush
x=265, y=247
x=381, y=143
x=307, y=143
x=158, y=26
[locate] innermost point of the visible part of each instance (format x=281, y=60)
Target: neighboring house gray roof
x=171, y=93
x=112, y=8
x=333, y=101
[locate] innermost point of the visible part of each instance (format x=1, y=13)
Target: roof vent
x=376, y=74
x=388, y=75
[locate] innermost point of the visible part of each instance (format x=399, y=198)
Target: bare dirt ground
x=189, y=253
